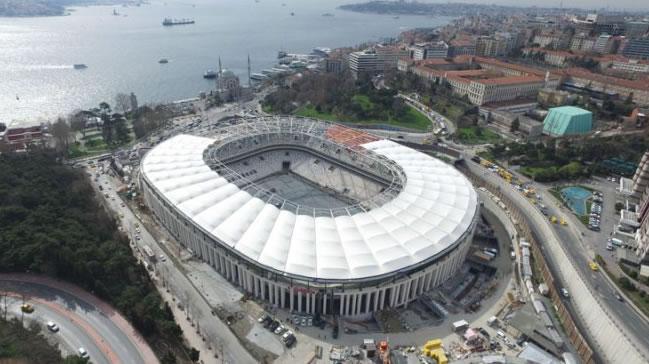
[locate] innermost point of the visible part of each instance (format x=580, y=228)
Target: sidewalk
x=208, y=350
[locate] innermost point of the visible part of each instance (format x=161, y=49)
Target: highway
x=98, y=329
x=618, y=332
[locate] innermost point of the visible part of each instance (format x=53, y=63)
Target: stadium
x=312, y=216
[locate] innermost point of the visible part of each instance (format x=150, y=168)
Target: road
x=616, y=329
x=582, y=244
x=178, y=284
x=83, y=320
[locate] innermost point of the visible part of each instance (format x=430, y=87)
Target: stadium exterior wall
x=357, y=298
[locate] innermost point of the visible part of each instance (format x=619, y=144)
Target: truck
x=492, y=255
x=483, y=256
x=149, y=253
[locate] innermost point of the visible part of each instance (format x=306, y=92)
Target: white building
x=384, y=251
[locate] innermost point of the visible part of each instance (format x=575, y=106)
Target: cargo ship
x=169, y=21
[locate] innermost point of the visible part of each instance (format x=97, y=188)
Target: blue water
x=122, y=52
x=576, y=198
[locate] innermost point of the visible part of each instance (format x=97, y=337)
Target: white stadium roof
x=434, y=210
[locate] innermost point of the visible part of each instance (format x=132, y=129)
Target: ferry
x=80, y=66
x=163, y=61
x=169, y=21
x=210, y=74
x=258, y=77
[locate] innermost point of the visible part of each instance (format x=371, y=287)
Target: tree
x=78, y=122
x=194, y=354
x=122, y=103
x=121, y=129
x=516, y=124
x=107, y=129
x=61, y=133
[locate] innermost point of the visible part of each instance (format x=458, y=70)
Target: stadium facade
x=312, y=216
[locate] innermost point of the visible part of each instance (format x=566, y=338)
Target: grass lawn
x=639, y=300
x=477, y=135
x=447, y=109
x=412, y=119
x=532, y=171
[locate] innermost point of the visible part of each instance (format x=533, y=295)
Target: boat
x=258, y=77
x=210, y=74
x=292, y=13
x=169, y=21
x=395, y=17
x=80, y=66
x=327, y=14
x=163, y=61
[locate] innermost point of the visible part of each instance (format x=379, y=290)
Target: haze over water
x=122, y=52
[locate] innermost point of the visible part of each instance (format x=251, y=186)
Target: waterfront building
x=423, y=51
x=376, y=60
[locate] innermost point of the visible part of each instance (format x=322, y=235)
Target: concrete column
x=394, y=292
x=408, y=293
x=299, y=301
x=263, y=288
x=290, y=291
x=282, y=296
x=353, y=308
x=346, y=310
x=307, y=297
x=382, y=298
x=228, y=272
x=368, y=296
x=313, y=303
x=324, y=304
x=342, y=304
x=255, y=288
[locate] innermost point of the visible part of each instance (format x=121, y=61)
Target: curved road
x=83, y=319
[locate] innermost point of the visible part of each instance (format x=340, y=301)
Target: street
x=100, y=330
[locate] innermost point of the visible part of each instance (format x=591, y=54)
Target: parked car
x=564, y=293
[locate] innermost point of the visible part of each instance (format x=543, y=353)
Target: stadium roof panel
x=434, y=210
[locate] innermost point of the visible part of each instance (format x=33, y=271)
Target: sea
x=38, y=81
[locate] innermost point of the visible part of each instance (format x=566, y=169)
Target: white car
x=287, y=334
x=280, y=329
x=52, y=326
x=83, y=353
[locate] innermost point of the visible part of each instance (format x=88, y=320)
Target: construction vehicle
x=529, y=192
x=433, y=349
x=27, y=308
x=593, y=266
x=553, y=219
x=486, y=163
x=563, y=221
x=505, y=174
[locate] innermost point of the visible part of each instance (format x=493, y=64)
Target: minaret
x=248, y=70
